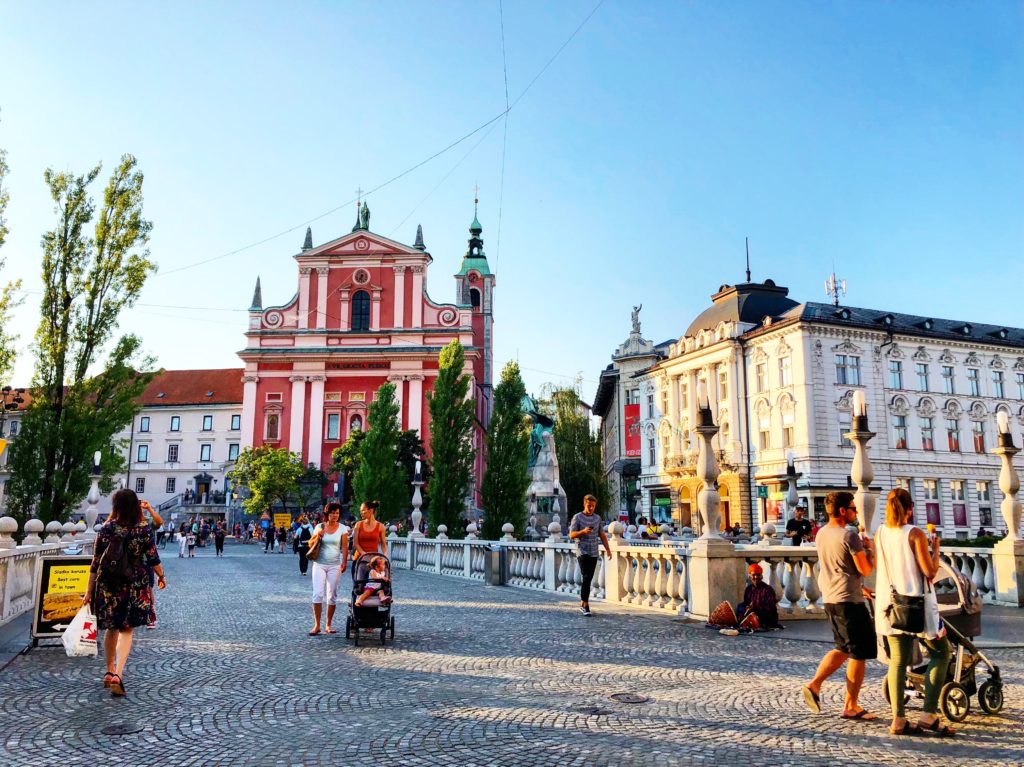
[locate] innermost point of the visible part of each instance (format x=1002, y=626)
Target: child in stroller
x=375, y=586
x=370, y=605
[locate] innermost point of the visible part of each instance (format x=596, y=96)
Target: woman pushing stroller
x=907, y=564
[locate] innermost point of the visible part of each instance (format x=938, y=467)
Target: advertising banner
x=632, y=424
x=960, y=515
x=933, y=515
x=61, y=583
x=282, y=520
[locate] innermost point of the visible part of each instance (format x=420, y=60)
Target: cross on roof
x=359, y=195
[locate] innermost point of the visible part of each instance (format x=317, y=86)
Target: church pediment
x=362, y=244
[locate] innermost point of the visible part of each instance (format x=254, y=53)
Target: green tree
x=88, y=279
x=271, y=476
x=310, y=486
x=380, y=477
x=345, y=461
x=508, y=452
x=8, y=292
x=451, y=441
x=579, y=453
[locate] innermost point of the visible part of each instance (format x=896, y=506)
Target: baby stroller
x=960, y=609
x=372, y=613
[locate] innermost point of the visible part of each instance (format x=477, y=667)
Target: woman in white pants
x=330, y=563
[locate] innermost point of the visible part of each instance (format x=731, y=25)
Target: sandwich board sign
x=61, y=582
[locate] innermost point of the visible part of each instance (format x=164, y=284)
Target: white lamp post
x=93, y=498
x=708, y=499
x=417, y=502
x=792, y=497
x=861, y=471
x=1009, y=480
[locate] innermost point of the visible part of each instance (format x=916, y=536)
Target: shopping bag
x=79, y=638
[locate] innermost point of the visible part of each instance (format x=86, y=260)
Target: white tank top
x=896, y=565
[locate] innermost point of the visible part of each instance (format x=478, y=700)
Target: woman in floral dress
x=123, y=600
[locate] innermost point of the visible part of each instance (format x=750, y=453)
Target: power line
x=504, y=137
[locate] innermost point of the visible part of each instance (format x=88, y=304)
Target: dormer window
x=966, y=329
x=886, y=319
x=843, y=313
x=928, y=324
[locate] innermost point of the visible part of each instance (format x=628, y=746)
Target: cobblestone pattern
x=477, y=676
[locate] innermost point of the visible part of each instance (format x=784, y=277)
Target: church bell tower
x=475, y=289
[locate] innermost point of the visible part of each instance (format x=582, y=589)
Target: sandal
x=329, y=630
x=942, y=730
x=107, y=677
x=908, y=729
x=861, y=716
x=314, y=632
x=812, y=699
x=116, y=686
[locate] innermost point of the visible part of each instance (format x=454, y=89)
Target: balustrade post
x=410, y=553
x=467, y=560
x=8, y=527
x=1008, y=554
x=550, y=566
x=32, y=529
x=613, y=591
x=53, y=531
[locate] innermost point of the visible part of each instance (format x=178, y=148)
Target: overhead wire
x=504, y=137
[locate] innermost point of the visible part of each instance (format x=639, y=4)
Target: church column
x=321, y=296
x=316, y=419
x=673, y=410
x=297, y=417
x=344, y=316
x=248, y=409
x=415, y=408
x=304, y=296
x=375, y=310
x=399, y=382
x=399, y=296
x=417, y=296
x=692, y=397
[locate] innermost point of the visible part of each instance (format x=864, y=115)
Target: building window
x=233, y=451
x=144, y=423
x=787, y=429
x=14, y=428
x=848, y=370
x=355, y=423
x=974, y=381
x=650, y=406
x=984, y=504
x=984, y=492
x=140, y=485
x=997, y=384
x=900, y=432
x=205, y=452
x=931, y=489
x=906, y=483
x=272, y=427
x=1020, y=387
x=764, y=431
x=333, y=426
x=474, y=298
x=931, y=501
x=171, y=484
x=922, y=376
x=172, y=453
x=664, y=444
x=786, y=371
x=723, y=383
x=845, y=426
x=175, y=423
x=664, y=401
x=927, y=434
x=632, y=396
x=956, y=489
x=236, y=422
x=978, y=427
x=895, y=374
x=142, y=456
x=651, y=452
x=361, y=311
x=684, y=395
x=953, y=435
x=948, y=382
x=761, y=376
x=207, y=423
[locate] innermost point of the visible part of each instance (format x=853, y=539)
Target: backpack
x=116, y=565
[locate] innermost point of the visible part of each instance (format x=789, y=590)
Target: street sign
x=762, y=491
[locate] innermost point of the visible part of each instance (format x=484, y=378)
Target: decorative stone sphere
x=442, y=528
x=555, y=528
x=32, y=527
x=8, y=525
x=616, y=528
x=768, y=531
x=631, y=529
x=471, y=528
x=508, y=528
x=393, y=529
x=54, y=527
x=68, y=527
x=666, y=529
x=80, y=527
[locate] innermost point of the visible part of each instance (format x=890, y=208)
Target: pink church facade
x=362, y=317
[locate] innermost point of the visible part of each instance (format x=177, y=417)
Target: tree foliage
x=508, y=451
x=8, y=292
x=345, y=462
x=579, y=453
x=452, y=415
x=379, y=476
x=88, y=279
x=309, y=489
x=270, y=474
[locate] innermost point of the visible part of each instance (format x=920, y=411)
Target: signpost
x=61, y=582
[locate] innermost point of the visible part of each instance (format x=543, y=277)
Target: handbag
x=314, y=546
x=905, y=612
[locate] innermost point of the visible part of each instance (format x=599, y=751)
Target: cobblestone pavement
x=476, y=676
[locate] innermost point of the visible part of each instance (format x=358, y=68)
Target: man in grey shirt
x=845, y=560
x=586, y=530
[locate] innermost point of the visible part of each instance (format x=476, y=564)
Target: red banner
x=632, y=423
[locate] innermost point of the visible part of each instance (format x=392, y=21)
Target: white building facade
x=780, y=378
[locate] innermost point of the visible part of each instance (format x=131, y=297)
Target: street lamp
x=93, y=499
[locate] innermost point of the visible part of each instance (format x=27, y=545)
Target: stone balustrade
x=792, y=571
x=976, y=564
x=18, y=563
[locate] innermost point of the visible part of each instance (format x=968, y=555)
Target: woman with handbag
x=906, y=609
x=328, y=551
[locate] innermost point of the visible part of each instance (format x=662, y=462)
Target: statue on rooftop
x=636, y=318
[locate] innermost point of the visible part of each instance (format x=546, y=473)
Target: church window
x=361, y=311
x=474, y=298
x=272, y=427
x=333, y=426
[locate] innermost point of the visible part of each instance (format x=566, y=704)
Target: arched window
x=474, y=298
x=355, y=423
x=361, y=311
x=272, y=428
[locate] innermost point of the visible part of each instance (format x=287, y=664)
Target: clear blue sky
x=886, y=137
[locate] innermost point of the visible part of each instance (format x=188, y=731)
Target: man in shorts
x=845, y=561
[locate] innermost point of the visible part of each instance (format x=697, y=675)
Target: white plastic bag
x=80, y=637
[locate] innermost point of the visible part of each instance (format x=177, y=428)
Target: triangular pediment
x=362, y=243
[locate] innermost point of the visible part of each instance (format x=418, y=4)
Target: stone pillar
x=316, y=419
x=297, y=415
x=1008, y=554
x=417, y=296
x=399, y=296
x=248, y=409
x=304, y=296
x=375, y=310
x=673, y=414
x=321, y=296
x=414, y=408
x=344, y=318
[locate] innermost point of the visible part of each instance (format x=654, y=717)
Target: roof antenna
x=747, y=241
x=834, y=286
